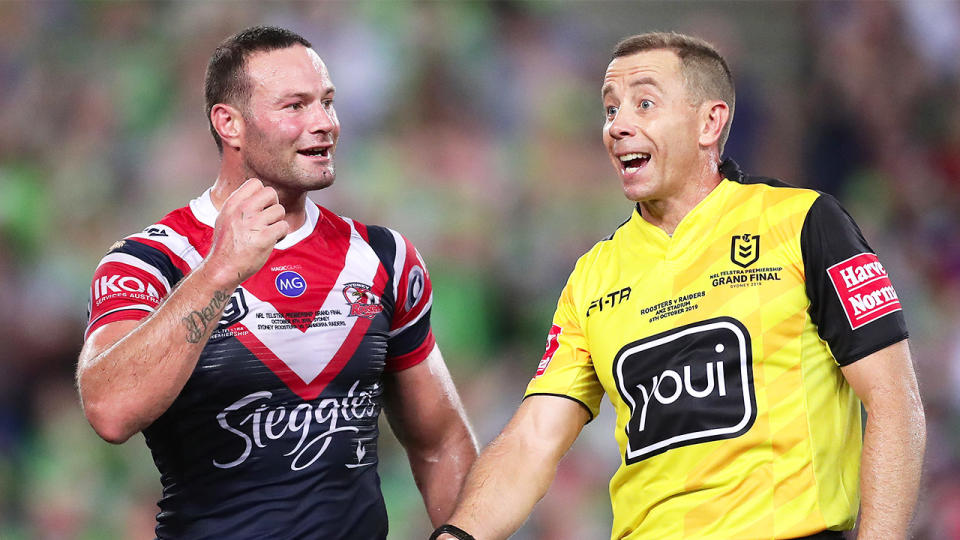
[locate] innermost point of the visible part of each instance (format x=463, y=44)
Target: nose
x=621, y=126
x=324, y=119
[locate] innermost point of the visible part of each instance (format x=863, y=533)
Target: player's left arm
x=425, y=413
x=893, y=443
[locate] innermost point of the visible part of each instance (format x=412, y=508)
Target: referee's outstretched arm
x=515, y=470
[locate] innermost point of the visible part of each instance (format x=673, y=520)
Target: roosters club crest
x=745, y=249
x=362, y=301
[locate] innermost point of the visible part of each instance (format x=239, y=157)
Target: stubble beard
x=272, y=167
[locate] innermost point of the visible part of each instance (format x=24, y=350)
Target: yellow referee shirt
x=719, y=349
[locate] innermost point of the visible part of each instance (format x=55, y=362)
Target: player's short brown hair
x=704, y=70
x=226, y=79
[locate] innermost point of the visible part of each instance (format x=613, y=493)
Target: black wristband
x=453, y=530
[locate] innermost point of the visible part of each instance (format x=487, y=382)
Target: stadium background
x=474, y=128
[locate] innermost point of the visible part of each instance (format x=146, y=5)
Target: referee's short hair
x=226, y=78
x=704, y=70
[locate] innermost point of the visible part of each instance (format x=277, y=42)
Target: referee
x=736, y=323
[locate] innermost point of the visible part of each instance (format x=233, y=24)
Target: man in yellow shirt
x=736, y=323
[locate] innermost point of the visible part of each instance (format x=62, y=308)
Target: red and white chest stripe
x=309, y=351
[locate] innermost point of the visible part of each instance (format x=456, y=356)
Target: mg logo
x=290, y=284
x=686, y=386
x=745, y=249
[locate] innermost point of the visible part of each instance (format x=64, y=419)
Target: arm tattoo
x=197, y=322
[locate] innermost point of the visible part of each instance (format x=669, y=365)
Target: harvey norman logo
x=864, y=289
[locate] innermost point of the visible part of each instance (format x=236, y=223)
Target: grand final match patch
x=864, y=289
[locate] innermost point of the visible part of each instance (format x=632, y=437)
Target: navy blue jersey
x=275, y=433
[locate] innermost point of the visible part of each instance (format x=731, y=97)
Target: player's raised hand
x=249, y=226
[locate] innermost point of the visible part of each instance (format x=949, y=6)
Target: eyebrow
x=642, y=81
x=304, y=95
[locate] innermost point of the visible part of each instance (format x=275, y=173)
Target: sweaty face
x=291, y=127
x=650, y=130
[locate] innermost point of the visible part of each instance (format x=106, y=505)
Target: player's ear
x=228, y=122
x=713, y=117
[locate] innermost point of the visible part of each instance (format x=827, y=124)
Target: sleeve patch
x=416, y=285
x=864, y=289
x=553, y=343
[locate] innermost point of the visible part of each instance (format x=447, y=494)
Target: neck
x=230, y=178
x=667, y=212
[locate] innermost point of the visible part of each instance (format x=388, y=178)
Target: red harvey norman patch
x=553, y=343
x=864, y=289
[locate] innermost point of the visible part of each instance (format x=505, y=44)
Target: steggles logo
x=745, y=249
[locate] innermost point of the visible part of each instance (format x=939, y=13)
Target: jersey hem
x=126, y=314
x=879, y=347
x=412, y=358
x=582, y=404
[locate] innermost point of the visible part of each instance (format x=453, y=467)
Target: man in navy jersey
x=253, y=336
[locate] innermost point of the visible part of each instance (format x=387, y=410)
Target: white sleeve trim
x=419, y=316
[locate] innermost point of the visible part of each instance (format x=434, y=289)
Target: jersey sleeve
x=129, y=283
x=410, y=338
x=852, y=300
x=566, y=369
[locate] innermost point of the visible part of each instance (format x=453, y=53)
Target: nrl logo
x=363, y=303
x=745, y=249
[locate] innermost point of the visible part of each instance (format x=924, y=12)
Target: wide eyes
x=611, y=110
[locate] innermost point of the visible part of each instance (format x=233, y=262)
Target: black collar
x=730, y=170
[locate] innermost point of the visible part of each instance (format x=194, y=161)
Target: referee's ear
x=712, y=117
x=228, y=122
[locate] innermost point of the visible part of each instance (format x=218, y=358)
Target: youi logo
x=291, y=284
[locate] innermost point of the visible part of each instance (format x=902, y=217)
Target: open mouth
x=632, y=163
x=316, y=151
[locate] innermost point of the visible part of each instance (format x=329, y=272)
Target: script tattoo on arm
x=197, y=322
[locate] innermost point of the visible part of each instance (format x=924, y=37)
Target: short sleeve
x=852, y=299
x=566, y=369
x=129, y=283
x=410, y=338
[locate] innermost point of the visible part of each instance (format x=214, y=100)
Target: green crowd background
x=474, y=128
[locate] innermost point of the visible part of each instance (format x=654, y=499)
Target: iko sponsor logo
x=290, y=284
x=310, y=427
x=689, y=385
x=116, y=283
x=864, y=289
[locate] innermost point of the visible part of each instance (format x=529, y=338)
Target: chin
x=635, y=193
x=326, y=180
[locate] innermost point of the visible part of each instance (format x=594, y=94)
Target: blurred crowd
x=474, y=128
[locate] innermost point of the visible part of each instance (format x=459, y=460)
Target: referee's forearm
x=502, y=488
x=891, y=462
